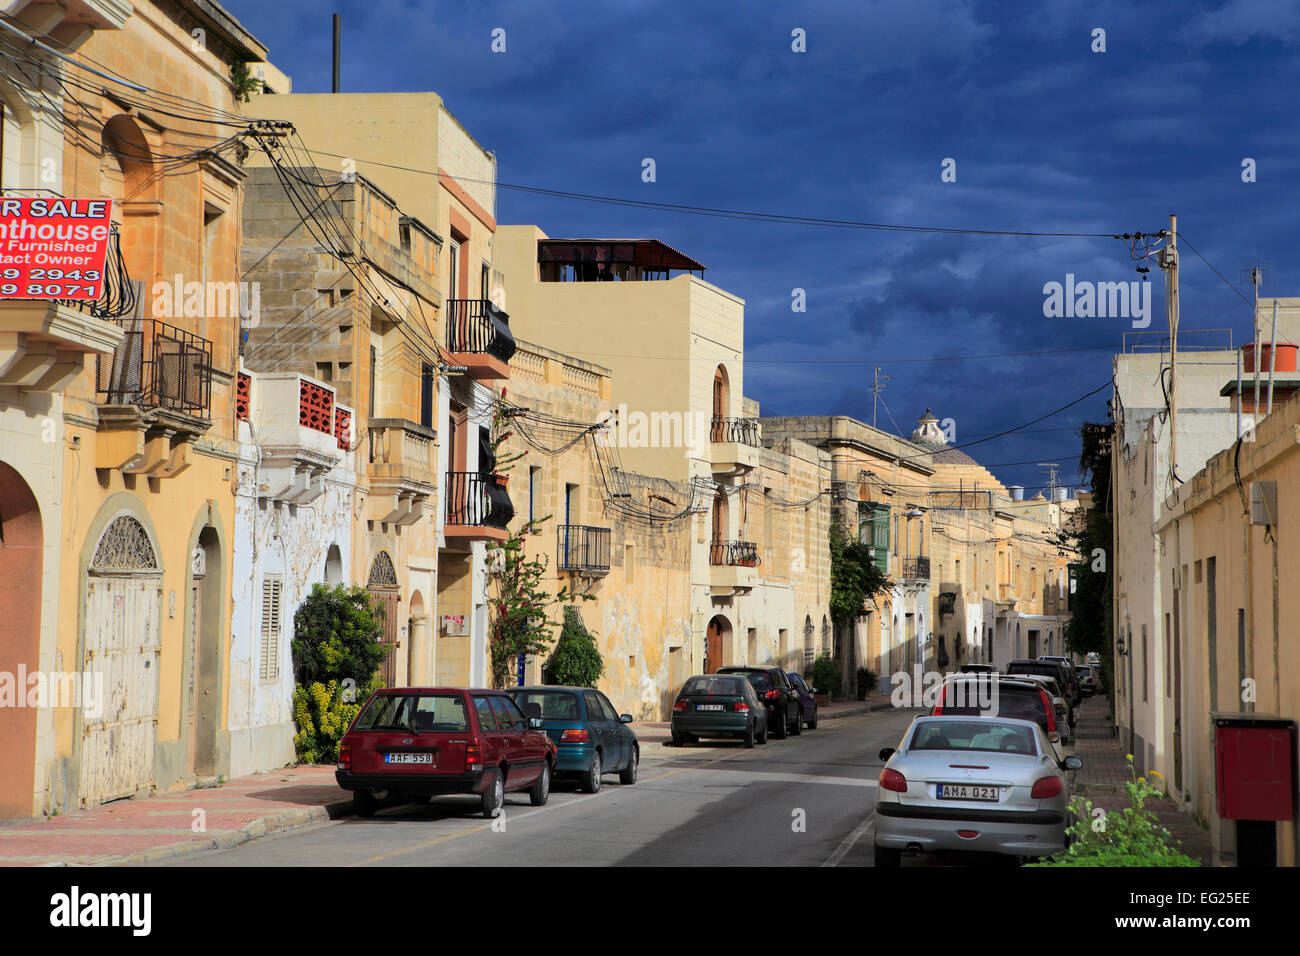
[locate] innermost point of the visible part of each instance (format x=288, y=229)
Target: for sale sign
x=53, y=248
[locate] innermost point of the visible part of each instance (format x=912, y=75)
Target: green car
x=718, y=705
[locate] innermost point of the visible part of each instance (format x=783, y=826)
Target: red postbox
x=1255, y=767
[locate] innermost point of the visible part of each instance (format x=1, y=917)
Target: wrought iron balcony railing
x=745, y=431
x=916, y=569
x=476, y=325
x=743, y=554
x=475, y=499
x=157, y=366
x=583, y=548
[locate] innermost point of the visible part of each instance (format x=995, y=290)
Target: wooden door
x=1178, y=695
x=192, y=671
x=387, y=599
x=122, y=645
x=713, y=648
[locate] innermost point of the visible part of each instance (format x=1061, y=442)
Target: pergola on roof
x=650, y=254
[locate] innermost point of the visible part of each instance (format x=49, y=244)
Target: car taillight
x=345, y=756
x=679, y=706
x=772, y=695
x=474, y=757
x=938, y=707
x=573, y=737
x=1046, y=787
x=1051, y=711
x=893, y=780
x=741, y=707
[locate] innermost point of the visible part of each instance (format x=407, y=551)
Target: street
x=802, y=801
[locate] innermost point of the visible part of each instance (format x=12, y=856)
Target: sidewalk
x=150, y=829
x=656, y=740
x=1105, y=771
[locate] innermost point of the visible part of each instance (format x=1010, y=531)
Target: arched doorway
x=123, y=600
x=717, y=546
x=203, y=656
x=384, y=592
x=721, y=403
x=717, y=645
x=417, y=636
x=334, y=566
x=21, y=554
x=809, y=652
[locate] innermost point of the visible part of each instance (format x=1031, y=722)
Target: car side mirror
x=1072, y=762
x=625, y=718
x=535, y=723
x=886, y=753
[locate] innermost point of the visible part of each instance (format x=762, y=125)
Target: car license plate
x=408, y=758
x=951, y=791
x=709, y=707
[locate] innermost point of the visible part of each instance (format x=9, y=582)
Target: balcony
x=43, y=345
x=402, y=457
x=583, y=549
x=155, y=396
x=478, y=507
x=916, y=569
x=732, y=566
x=292, y=420
x=479, y=338
x=736, y=443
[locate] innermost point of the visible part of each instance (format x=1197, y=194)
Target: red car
x=413, y=743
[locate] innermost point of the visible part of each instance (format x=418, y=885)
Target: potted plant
x=826, y=679
x=866, y=683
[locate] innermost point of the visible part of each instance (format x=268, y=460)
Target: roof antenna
x=338, y=30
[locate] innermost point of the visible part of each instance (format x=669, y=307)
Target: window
x=270, y=663
x=534, y=491
x=454, y=265
x=550, y=704
x=486, y=717
x=509, y=716
x=610, y=713
x=486, y=282
x=1168, y=668
x=426, y=394
x=1145, y=681
x=595, y=712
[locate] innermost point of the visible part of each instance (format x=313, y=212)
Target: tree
x=336, y=636
x=1089, y=628
x=855, y=576
x=576, y=660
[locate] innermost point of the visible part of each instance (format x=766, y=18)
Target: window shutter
x=270, y=663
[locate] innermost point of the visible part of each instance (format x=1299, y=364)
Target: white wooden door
x=122, y=645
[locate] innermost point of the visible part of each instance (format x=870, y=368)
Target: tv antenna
x=877, y=386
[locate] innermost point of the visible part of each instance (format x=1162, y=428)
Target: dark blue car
x=592, y=738
x=807, y=702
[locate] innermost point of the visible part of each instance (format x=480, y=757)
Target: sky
x=1037, y=129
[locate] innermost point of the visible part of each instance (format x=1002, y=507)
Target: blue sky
x=1047, y=136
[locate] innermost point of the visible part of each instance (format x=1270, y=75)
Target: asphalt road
x=802, y=801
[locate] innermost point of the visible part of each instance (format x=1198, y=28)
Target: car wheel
x=364, y=803
x=886, y=858
x=541, y=789
x=812, y=724
x=779, y=734
x=797, y=727
x=679, y=740
x=749, y=736
x=762, y=737
x=591, y=779
x=495, y=795
x=627, y=776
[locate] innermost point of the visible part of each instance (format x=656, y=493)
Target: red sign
x=53, y=248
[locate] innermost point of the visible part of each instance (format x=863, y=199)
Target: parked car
x=977, y=669
x=1088, y=682
x=1067, y=671
x=807, y=700
x=591, y=737
x=1064, y=676
x=967, y=695
x=410, y=743
x=718, y=705
x=1064, y=717
x=987, y=784
x=779, y=697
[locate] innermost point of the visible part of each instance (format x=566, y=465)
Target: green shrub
x=336, y=636
x=826, y=676
x=866, y=683
x=336, y=640
x=1129, y=837
x=576, y=660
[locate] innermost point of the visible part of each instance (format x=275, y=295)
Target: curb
x=280, y=822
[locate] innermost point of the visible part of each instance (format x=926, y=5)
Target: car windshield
x=711, y=687
x=974, y=735
x=548, y=704
x=415, y=713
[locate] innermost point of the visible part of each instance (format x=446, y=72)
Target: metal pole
x=1173, y=345
x=1272, y=358
x=338, y=29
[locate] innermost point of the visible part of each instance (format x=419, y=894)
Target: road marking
x=846, y=844
x=445, y=838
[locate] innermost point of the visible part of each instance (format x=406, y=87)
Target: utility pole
x=876, y=388
x=1169, y=263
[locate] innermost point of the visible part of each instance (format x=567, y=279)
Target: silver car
x=979, y=784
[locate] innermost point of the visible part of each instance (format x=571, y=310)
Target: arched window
x=124, y=546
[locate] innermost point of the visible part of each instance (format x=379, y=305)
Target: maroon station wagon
x=412, y=743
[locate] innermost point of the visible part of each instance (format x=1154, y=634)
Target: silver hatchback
x=976, y=784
